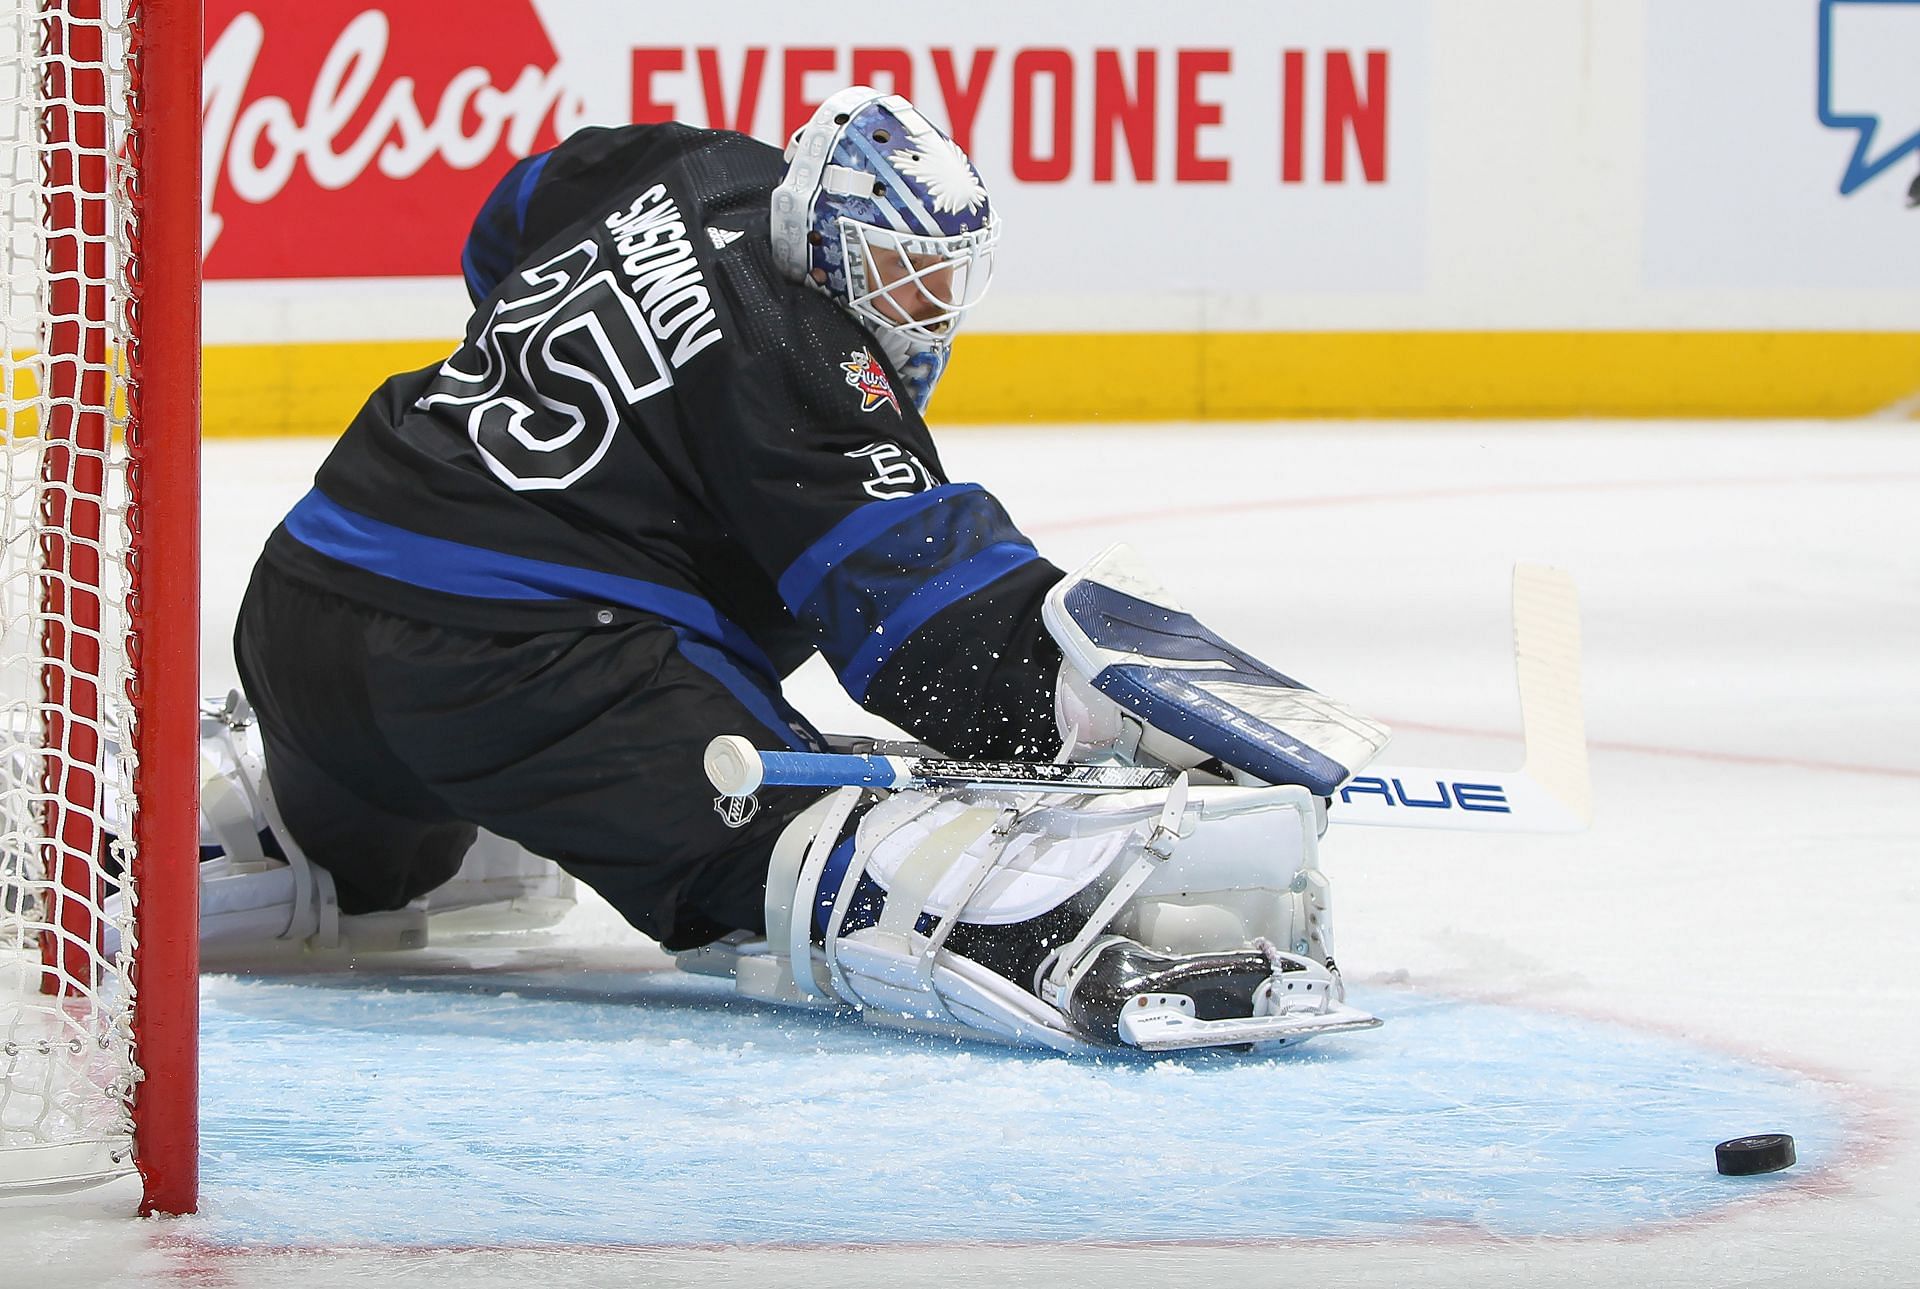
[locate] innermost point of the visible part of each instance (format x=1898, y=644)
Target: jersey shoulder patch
x=869, y=380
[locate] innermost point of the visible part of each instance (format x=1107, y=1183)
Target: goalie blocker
x=1144, y=680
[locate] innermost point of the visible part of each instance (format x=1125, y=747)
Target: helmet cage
x=917, y=286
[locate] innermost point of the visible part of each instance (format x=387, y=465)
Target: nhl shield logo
x=736, y=812
x=868, y=377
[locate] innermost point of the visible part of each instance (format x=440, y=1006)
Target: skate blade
x=1166, y=1023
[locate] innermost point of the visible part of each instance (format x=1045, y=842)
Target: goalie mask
x=883, y=212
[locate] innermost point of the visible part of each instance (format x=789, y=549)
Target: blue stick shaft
x=736, y=767
x=828, y=770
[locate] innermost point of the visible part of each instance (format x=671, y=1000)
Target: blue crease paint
x=655, y=1108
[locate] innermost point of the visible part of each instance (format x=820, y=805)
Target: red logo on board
x=342, y=140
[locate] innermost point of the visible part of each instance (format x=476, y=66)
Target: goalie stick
x=1550, y=792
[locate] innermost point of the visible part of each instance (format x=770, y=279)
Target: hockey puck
x=1767, y=1152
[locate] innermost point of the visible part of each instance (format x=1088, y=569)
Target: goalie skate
x=1162, y=1003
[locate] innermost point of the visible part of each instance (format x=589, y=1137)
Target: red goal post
x=99, y=596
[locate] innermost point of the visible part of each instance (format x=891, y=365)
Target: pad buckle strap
x=1155, y=850
x=229, y=807
x=843, y=897
x=807, y=894
x=977, y=862
x=1161, y=841
x=1166, y=829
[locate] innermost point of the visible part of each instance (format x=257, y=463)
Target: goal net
x=98, y=606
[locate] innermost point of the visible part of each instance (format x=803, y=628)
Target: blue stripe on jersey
x=489, y=253
x=883, y=571
x=957, y=583
x=453, y=568
x=528, y=179
x=855, y=532
x=757, y=694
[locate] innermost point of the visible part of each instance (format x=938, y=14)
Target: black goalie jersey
x=646, y=418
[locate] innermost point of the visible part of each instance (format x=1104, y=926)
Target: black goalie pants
x=389, y=741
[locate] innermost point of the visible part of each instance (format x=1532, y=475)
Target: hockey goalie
x=682, y=449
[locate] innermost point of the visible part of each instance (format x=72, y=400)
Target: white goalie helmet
x=884, y=213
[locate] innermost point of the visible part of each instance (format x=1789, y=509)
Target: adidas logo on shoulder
x=722, y=237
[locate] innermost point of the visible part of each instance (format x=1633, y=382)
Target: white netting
x=66, y=1057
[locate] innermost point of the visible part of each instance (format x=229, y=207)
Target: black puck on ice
x=1768, y=1152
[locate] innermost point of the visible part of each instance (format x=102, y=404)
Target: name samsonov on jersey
x=659, y=264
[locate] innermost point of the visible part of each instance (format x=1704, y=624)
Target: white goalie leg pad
x=894, y=978
x=259, y=909
x=1141, y=677
x=254, y=906
x=251, y=903
x=1182, y=872
x=500, y=886
x=941, y=859
x=764, y=966
x=1240, y=872
x=1245, y=867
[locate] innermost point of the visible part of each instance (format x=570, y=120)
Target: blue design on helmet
x=883, y=212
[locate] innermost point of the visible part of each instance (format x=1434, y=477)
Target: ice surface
x=1571, y=1022
x=651, y=1108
